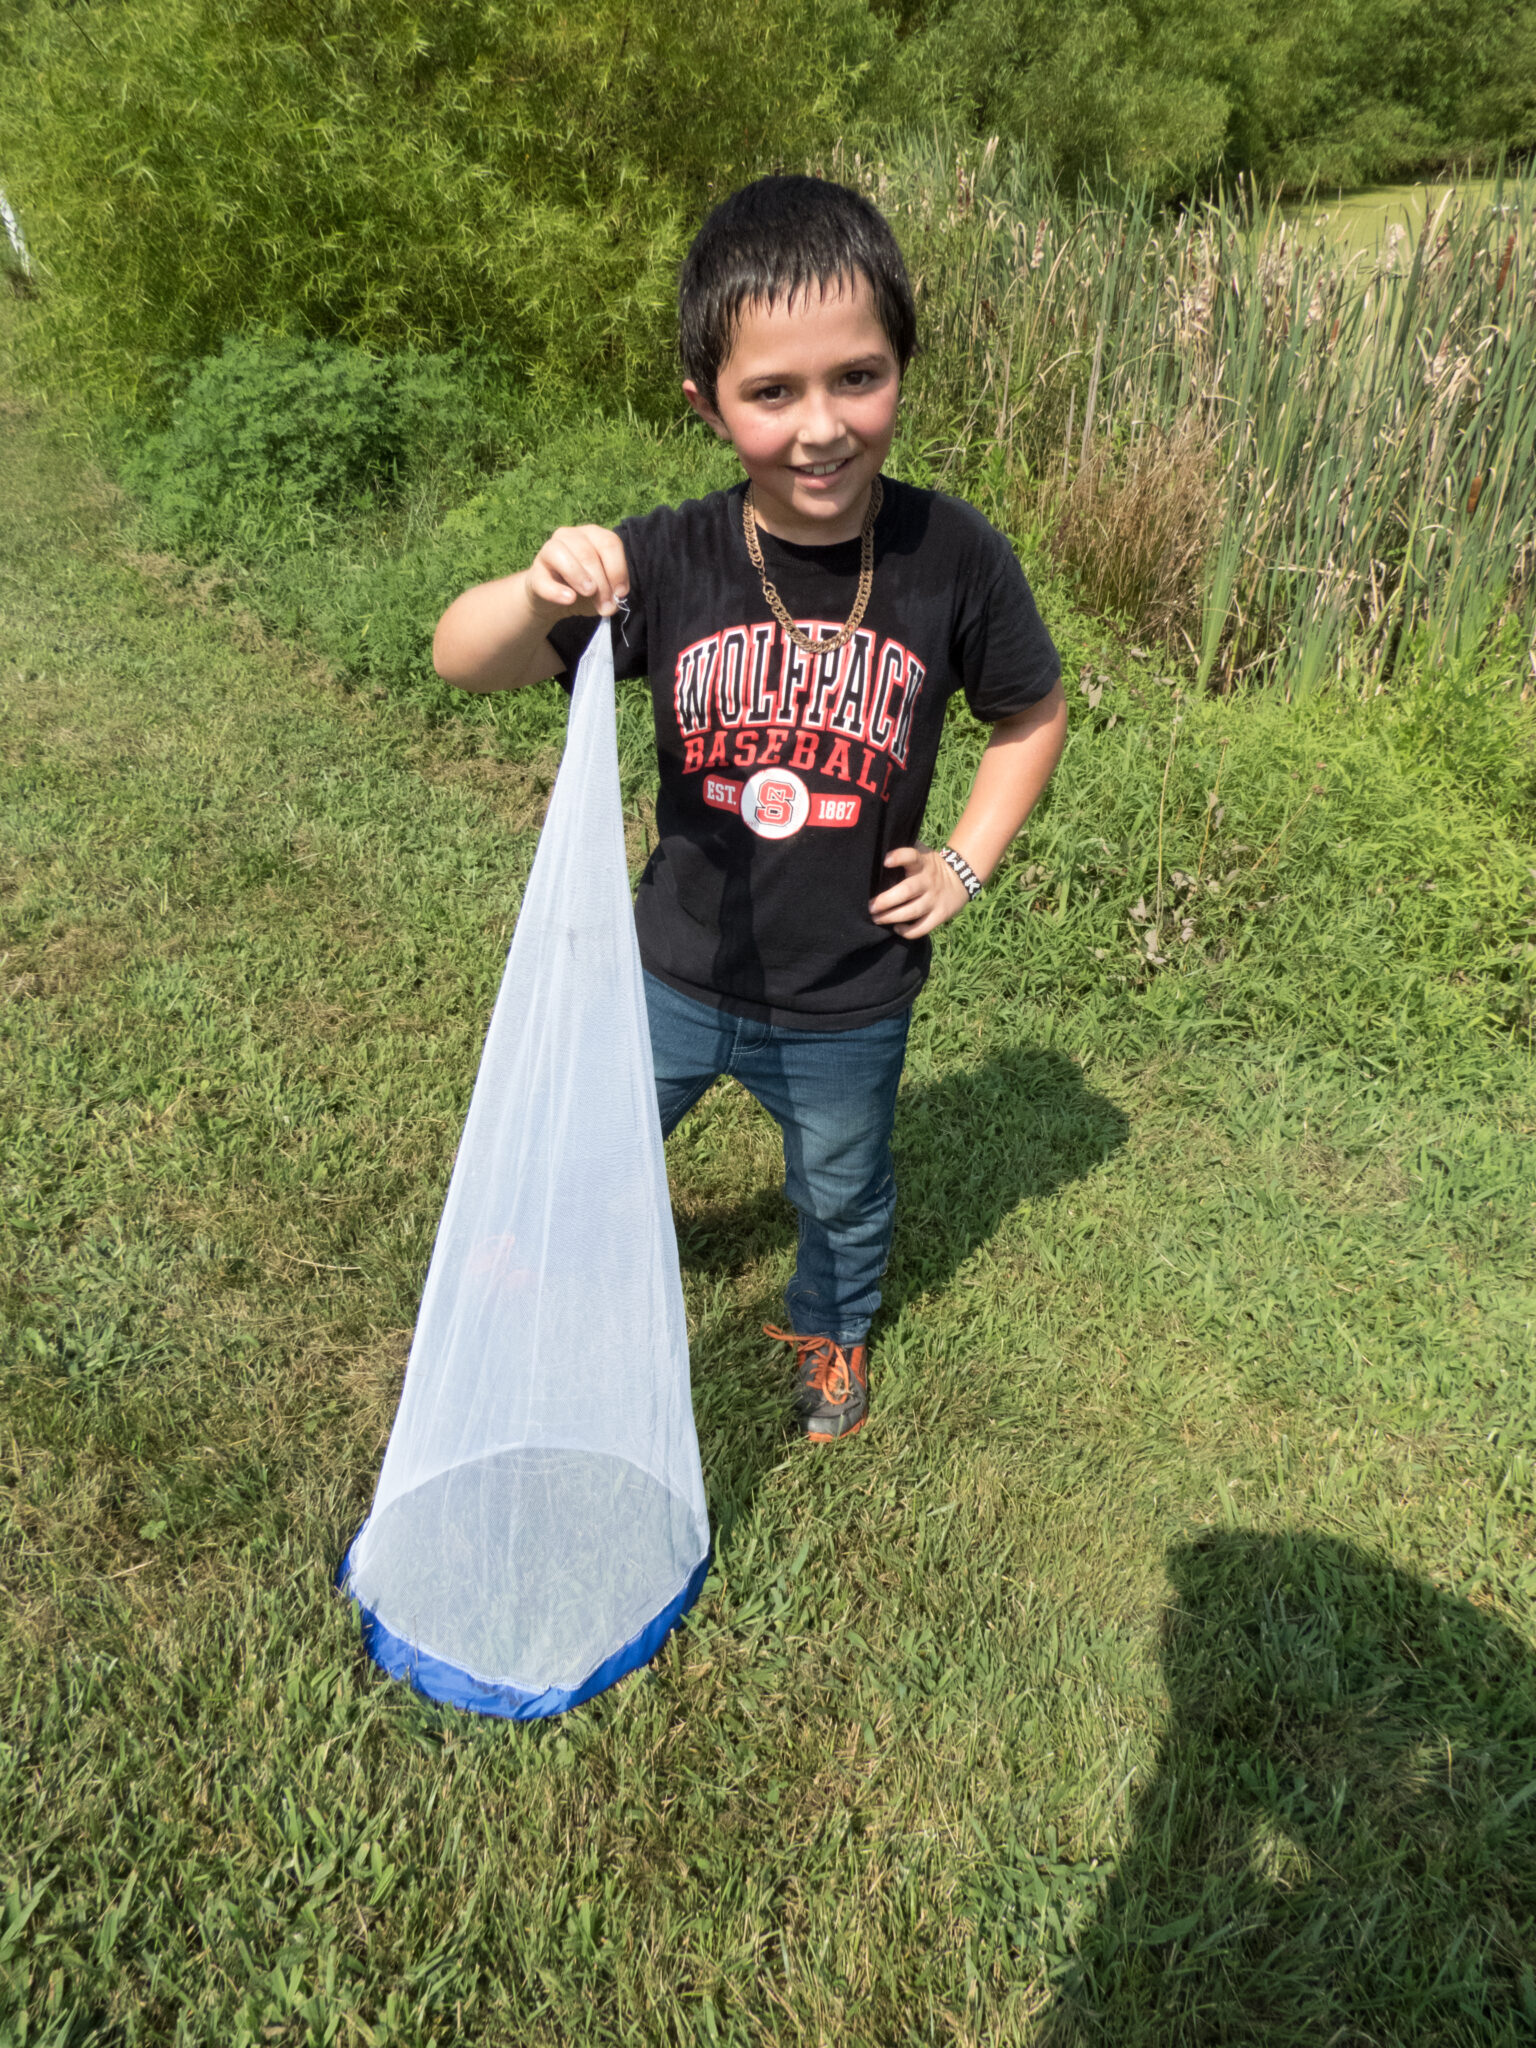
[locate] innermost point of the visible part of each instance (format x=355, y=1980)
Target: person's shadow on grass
x=1017, y=1125
x=1338, y=1847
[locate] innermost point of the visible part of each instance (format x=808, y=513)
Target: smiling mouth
x=820, y=468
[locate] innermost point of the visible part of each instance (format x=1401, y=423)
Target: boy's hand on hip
x=578, y=571
x=929, y=894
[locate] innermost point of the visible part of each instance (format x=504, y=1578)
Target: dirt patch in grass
x=516, y=794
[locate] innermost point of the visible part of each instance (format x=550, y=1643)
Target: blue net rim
x=436, y=1679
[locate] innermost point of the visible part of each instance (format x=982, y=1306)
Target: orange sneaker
x=831, y=1386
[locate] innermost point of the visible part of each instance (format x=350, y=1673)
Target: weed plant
x=276, y=445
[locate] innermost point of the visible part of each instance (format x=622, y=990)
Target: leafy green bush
x=375, y=622
x=273, y=441
x=401, y=175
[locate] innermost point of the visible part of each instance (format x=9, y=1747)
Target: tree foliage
x=1339, y=91
x=521, y=176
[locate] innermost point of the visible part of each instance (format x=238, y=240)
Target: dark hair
x=779, y=238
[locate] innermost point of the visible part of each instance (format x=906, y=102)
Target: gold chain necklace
x=776, y=603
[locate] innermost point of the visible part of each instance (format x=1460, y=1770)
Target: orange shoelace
x=831, y=1375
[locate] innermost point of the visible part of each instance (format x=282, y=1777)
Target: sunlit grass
x=1157, y=1668
x=1361, y=221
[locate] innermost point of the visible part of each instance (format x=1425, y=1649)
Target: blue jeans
x=833, y=1096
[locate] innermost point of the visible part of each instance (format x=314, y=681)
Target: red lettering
x=717, y=752
x=773, y=746
x=804, y=755
x=794, y=680
x=885, y=788
x=829, y=671
x=864, y=768
x=837, y=762
x=775, y=803
x=694, y=682
x=911, y=690
x=746, y=748
x=885, y=711
x=852, y=714
x=733, y=662
x=693, y=755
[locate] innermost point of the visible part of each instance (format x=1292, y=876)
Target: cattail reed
x=1233, y=434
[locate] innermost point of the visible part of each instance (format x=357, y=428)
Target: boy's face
x=808, y=398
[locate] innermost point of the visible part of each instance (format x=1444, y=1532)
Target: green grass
x=1157, y=1669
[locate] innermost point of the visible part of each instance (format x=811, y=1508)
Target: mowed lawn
x=1157, y=1668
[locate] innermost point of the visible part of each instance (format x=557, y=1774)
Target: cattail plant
x=1290, y=462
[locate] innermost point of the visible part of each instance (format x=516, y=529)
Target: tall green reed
x=1351, y=441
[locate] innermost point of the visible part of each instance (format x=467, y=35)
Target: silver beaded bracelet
x=962, y=867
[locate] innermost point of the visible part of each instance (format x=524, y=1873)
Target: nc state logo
x=775, y=803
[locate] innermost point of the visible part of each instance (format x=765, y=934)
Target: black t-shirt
x=787, y=777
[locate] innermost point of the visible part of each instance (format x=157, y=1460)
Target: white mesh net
x=541, y=1502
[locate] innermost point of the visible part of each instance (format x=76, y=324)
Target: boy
x=802, y=633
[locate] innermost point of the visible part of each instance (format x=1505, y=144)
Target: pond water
x=1359, y=221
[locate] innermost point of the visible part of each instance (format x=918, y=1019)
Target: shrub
x=273, y=441
x=522, y=177
x=375, y=622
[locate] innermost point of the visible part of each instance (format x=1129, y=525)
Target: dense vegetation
x=522, y=179
x=1338, y=93
x=1276, y=458
x=423, y=238
x=1270, y=460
